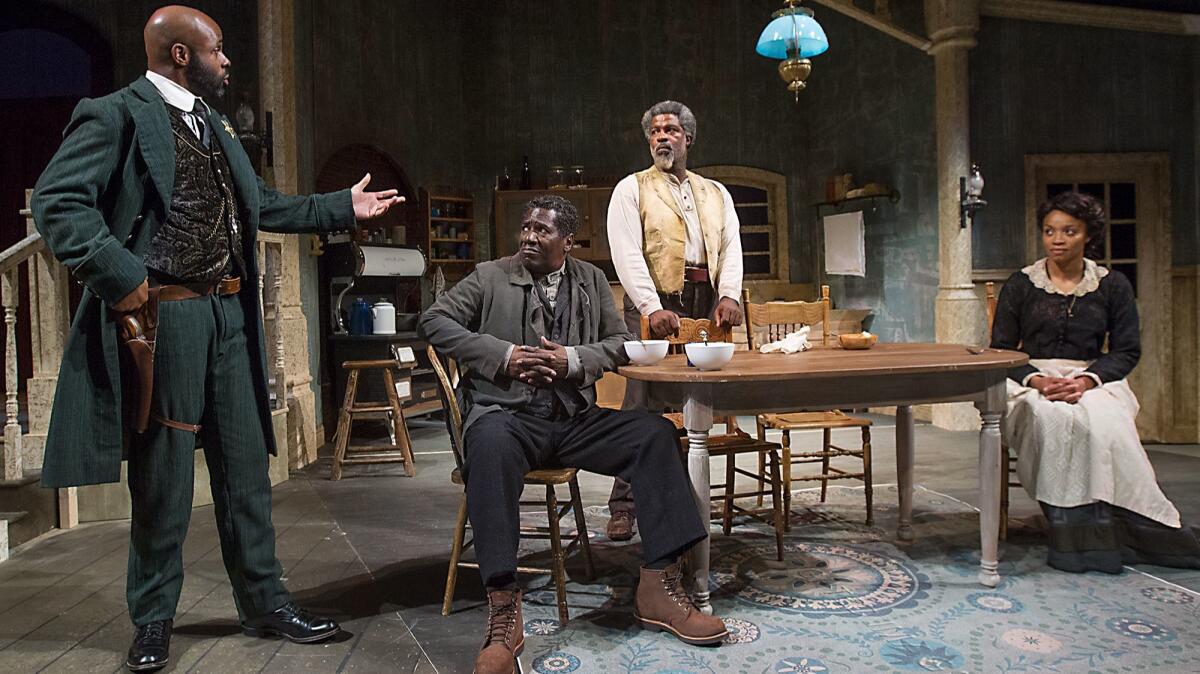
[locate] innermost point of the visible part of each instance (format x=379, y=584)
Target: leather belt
x=696, y=274
x=187, y=291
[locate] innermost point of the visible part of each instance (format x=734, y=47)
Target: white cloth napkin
x=793, y=342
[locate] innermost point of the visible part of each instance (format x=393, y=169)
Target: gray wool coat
x=495, y=307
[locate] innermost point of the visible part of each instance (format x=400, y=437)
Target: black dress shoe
x=292, y=623
x=150, y=647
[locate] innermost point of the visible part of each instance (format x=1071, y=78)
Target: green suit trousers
x=203, y=375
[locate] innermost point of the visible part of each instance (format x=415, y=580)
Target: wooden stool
x=400, y=451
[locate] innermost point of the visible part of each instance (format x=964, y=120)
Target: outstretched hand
x=369, y=205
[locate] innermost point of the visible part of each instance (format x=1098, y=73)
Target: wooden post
x=279, y=364
x=10, y=297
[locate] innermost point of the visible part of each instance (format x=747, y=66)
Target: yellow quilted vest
x=664, y=230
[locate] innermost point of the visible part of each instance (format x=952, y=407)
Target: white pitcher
x=384, y=314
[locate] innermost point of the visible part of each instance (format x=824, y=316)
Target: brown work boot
x=505, y=637
x=620, y=527
x=662, y=604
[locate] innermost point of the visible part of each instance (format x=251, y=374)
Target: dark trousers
x=640, y=448
x=202, y=375
x=698, y=300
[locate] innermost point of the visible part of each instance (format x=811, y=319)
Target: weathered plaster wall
x=1051, y=88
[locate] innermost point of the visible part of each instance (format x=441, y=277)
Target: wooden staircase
x=7, y=520
x=27, y=510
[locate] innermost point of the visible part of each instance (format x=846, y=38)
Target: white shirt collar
x=672, y=180
x=175, y=95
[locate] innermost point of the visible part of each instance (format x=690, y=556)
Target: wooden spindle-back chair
x=548, y=478
x=773, y=321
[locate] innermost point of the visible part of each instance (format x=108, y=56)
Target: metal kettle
x=383, y=315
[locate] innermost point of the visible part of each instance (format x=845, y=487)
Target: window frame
x=777, y=227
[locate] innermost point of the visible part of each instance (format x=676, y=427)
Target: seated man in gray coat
x=532, y=334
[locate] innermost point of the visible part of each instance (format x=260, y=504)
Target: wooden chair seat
x=739, y=443
x=676, y=418
x=543, y=476
x=796, y=421
x=368, y=364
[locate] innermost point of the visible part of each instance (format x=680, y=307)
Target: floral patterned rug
x=848, y=598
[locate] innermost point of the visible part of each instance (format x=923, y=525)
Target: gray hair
x=686, y=119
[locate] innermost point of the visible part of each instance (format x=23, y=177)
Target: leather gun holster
x=137, y=330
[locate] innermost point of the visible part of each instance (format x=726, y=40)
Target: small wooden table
x=829, y=378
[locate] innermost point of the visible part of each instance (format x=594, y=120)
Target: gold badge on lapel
x=229, y=128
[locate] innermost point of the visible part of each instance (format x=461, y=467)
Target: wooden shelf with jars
x=449, y=216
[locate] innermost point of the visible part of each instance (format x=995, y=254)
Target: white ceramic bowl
x=711, y=356
x=647, y=351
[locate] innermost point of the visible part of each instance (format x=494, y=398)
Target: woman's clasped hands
x=1065, y=389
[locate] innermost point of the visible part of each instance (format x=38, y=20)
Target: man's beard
x=207, y=84
x=664, y=161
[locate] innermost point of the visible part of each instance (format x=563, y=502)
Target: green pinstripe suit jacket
x=99, y=201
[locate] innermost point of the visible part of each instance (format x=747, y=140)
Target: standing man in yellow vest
x=676, y=248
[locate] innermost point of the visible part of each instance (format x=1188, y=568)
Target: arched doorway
x=342, y=169
x=52, y=60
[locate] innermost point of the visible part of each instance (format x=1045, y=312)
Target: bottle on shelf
x=505, y=182
x=526, y=182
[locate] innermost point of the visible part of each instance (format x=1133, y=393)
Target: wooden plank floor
x=62, y=608
x=371, y=551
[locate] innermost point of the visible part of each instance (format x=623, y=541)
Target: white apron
x=1074, y=454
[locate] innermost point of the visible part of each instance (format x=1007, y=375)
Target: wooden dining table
x=830, y=377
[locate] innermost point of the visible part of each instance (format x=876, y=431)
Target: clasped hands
x=539, y=366
x=1066, y=389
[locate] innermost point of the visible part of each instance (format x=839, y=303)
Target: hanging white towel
x=845, y=244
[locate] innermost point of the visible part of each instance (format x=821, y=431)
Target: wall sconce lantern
x=792, y=36
x=970, y=189
x=254, y=142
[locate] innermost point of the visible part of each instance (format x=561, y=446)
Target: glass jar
x=576, y=176
x=557, y=177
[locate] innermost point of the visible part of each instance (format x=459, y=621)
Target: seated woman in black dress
x=1070, y=411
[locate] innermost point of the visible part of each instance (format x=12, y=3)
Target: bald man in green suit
x=151, y=194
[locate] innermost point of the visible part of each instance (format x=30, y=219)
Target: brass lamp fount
x=792, y=36
x=794, y=70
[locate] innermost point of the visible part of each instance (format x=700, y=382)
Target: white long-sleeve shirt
x=625, y=242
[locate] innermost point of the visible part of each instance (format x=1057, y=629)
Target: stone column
x=277, y=76
x=959, y=313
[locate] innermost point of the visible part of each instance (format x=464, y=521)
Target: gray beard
x=664, y=162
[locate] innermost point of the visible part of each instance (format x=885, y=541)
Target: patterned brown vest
x=201, y=240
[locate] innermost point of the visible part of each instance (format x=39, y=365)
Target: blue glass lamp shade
x=791, y=26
